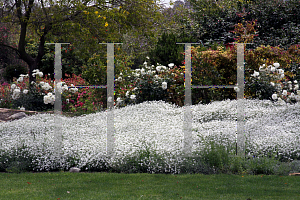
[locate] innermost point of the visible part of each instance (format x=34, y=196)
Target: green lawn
x=66, y=185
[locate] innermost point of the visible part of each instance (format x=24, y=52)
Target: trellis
x=187, y=125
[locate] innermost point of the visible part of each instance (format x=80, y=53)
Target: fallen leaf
x=28, y=183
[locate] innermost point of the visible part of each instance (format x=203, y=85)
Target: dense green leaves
x=278, y=22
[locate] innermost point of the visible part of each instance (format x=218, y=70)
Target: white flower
x=273, y=84
x=276, y=65
x=67, y=100
x=274, y=96
x=127, y=93
x=20, y=79
x=33, y=83
x=298, y=92
x=281, y=71
x=164, y=85
x=132, y=96
x=171, y=65
x=273, y=69
x=109, y=99
x=120, y=78
x=119, y=99
x=255, y=74
x=261, y=68
x=297, y=97
x=13, y=86
x=73, y=90
x=284, y=92
x=46, y=86
x=158, y=68
x=17, y=90
x=121, y=74
x=46, y=99
x=147, y=57
x=22, y=108
x=145, y=63
x=42, y=83
x=164, y=67
x=135, y=89
x=40, y=74
x=25, y=91
x=292, y=96
x=142, y=71
x=65, y=88
x=236, y=89
x=49, y=98
x=295, y=81
x=282, y=76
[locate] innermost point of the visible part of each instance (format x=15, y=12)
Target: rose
x=82, y=102
x=49, y=98
x=284, y=93
x=272, y=69
x=130, y=82
x=5, y=96
x=145, y=75
x=277, y=76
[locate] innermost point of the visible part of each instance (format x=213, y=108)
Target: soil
x=5, y=113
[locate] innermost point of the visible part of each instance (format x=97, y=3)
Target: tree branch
x=15, y=49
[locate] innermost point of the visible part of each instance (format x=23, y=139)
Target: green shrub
x=261, y=165
x=196, y=166
x=278, y=22
x=14, y=71
x=260, y=89
x=19, y=160
x=216, y=156
x=167, y=51
x=33, y=101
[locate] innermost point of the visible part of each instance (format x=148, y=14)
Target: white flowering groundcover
x=269, y=127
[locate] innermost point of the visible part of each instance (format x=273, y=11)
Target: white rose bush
x=147, y=84
x=42, y=93
x=272, y=76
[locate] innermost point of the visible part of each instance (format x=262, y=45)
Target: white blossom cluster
x=159, y=126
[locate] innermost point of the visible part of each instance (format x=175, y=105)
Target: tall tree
x=59, y=19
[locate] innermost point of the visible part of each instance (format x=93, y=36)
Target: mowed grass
x=66, y=185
